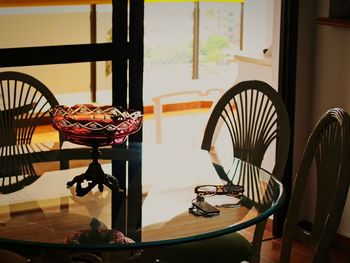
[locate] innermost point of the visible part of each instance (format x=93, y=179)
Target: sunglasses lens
x=233, y=189
x=206, y=190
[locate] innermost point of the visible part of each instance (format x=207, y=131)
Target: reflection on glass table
x=159, y=183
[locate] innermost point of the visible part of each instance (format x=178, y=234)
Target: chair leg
x=286, y=250
x=257, y=240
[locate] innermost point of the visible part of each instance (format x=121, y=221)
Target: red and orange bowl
x=92, y=125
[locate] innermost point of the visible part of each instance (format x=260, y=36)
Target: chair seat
x=8, y=256
x=232, y=248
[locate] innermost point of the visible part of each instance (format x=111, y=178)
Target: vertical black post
x=119, y=60
x=136, y=32
x=136, y=60
x=119, y=98
x=134, y=200
x=119, y=198
x=286, y=87
x=93, y=63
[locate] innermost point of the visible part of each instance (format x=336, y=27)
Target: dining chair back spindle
x=254, y=119
x=326, y=158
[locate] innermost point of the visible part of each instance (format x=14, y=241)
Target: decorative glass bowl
x=95, y=126
x=91, y=125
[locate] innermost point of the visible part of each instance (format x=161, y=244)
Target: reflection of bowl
x=101, y=236
x=92, y=125
x=97, y=235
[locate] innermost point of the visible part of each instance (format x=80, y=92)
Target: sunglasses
x=211, y=190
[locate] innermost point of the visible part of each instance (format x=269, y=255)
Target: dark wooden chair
x=24, y=104
x=252, y=115
x=327, y=156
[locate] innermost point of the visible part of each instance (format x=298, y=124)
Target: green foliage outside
x=214, y=49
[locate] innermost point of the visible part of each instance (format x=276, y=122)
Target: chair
x=254, y=116
x=24, y=104
x=327, y=156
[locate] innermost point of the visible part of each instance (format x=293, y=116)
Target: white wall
x=257, y=26
x=323, y=80
x=261, y=28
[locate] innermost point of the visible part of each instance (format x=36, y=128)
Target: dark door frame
x=287, y=87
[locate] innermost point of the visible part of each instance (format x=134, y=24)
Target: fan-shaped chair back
x=328, y=151
x=24, y=101
x=254, y=115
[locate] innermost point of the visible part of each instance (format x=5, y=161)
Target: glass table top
x=37, y=208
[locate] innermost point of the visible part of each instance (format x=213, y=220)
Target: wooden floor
x=271, y=247
x=270, y=251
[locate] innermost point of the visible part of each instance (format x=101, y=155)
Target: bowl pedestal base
x=94, y=175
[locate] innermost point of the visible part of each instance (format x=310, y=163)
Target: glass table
x=37, y=210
